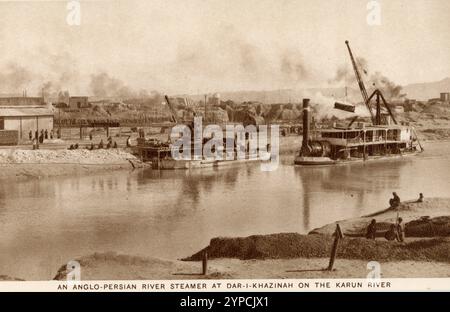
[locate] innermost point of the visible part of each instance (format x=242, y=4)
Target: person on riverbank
x=129, y=141
x=395, y=201
x=391, y=234
x=400, y=230
x=420, y=200
x=41, y=137
x=30, y=135
x=46, y=134
x=100, y=145
x=371, y=230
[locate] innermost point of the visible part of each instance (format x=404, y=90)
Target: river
x=44, y=223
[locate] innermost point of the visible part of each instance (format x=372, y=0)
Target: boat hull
x=326, y=161
x=172, y=164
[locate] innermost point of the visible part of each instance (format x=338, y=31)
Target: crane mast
x=174, y=117
x=377, y=95
x=360, y=83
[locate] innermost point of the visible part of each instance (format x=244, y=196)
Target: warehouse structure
x=25, y=114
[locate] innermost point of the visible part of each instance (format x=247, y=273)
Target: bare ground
x=17, y=163
x=111, y=266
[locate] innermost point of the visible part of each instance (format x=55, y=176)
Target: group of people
x=110, y=144
x=40, y=137
x=101, y=145
x=397, y=230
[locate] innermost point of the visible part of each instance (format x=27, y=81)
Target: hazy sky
x=195, y=46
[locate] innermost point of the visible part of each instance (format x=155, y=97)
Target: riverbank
x=293, y=255
x=17, y=163
x=111, y=266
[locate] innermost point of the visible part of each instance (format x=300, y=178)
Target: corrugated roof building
x=25, y=115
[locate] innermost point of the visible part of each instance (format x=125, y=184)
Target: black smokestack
x=305, y=143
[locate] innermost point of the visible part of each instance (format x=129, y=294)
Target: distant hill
x=426, y=90
x=418, y=91
x=282, y=95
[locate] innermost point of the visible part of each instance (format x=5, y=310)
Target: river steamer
x=361, y=142
x=160, y=156
x=383, y=139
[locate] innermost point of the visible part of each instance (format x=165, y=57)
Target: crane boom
x=360, y=83
x=172, y=110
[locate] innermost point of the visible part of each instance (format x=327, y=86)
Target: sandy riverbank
x=293, y=255
x=17, y=163
x=432, y=213
x=110, y=266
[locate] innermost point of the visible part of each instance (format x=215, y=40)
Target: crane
x=376, y=119
x=174, y=115
x=360, y=82
x=173, y=111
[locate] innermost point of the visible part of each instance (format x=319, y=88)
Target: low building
x=26, y=119
x=22, y=101
x=25, y=114
x=78, y=102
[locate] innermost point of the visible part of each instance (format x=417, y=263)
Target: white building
x=25, y=116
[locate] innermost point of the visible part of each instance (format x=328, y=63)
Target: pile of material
x=294, y=245
x=13, y=156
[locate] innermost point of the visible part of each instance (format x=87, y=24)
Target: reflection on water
x=172, y=214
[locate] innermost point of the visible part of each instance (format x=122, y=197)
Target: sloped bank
x=422, y=219
x=16, y=163
x=427, y=238
x=294, y=245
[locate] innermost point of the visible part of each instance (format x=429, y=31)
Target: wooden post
x=337, y=236
x=205, y=263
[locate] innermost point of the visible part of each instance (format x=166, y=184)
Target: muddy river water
x=44, y=223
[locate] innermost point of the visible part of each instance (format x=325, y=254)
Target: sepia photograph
x=204, y=145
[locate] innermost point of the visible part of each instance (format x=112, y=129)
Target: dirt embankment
x=434, y=134
x=427, y=227
x=426, y=219
x=111, y=266
x=293, y=255
x=294, y=245
x=44, y=163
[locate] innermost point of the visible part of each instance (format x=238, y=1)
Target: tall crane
x=173, y=111
x=376, y=118
x=360, y=83
x=174, y=116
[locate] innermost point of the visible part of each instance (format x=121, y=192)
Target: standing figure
x=400, y=230
x=371, y=230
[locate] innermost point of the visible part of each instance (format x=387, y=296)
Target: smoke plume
x=103, y=85
x=14, y=78
x=372, y=81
